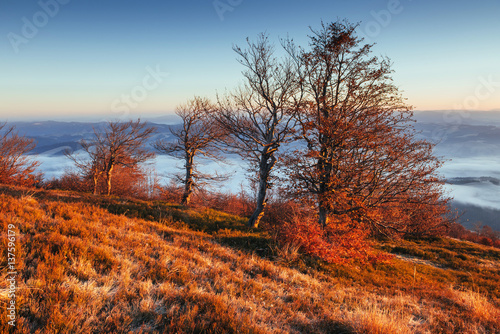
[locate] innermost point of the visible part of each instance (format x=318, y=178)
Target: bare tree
x=15, y=166
x=120, y=144
x=259, y=116
x=199, y=135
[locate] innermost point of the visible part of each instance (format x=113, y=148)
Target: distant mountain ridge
x=54, y=137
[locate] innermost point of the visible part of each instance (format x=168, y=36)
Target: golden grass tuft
x=379, y=320
x=478, y=306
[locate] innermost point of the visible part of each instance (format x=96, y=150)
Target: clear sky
x=96, y=58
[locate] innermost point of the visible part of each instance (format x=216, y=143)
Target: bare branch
x=260, y=116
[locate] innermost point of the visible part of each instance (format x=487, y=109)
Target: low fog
x=470, y=147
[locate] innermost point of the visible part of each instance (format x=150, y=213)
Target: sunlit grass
x=90, y=265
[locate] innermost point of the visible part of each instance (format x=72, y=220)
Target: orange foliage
x=483, y=235
x=240, y=204
x=171, y=193
x=69, y=181
x=342, y=241
x=133, y=182
x=15, y=167
x=236, y=204
x=360, y=160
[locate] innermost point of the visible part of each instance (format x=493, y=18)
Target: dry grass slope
x=86, y=270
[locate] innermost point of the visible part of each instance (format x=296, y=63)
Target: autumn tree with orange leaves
x=15, y=166
x=120, y=145
x=360, y=163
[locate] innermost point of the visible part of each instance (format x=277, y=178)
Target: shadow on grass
x=197, y=219
x=323, y=326
x=257, y=244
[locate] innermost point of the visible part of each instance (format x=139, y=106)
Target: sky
x=92, y=59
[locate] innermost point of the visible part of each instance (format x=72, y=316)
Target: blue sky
x=80, y=59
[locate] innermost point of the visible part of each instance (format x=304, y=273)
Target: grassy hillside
x=94, y=265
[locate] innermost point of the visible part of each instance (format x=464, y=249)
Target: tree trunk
x=322, y=205
x=264, y=171
x=261, y=204
x=109, y=174
x=96, y=180
x=322, y=215
x=325, y=168
x=188, y=186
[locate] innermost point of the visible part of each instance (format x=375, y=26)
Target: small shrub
x=341, y=241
